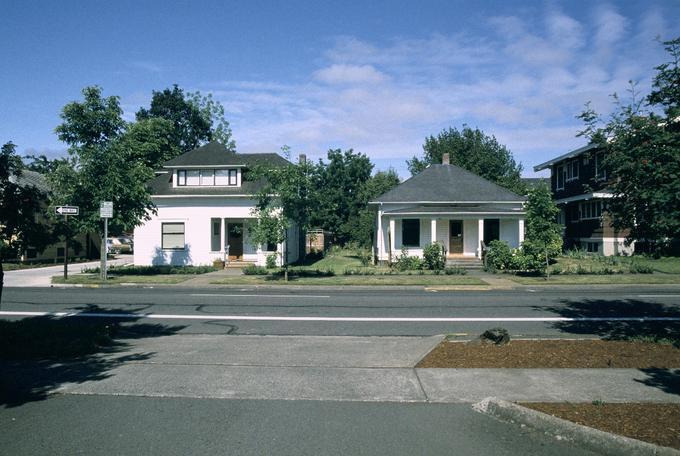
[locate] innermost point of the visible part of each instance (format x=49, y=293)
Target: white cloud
x=349, y=74
x=524, y=82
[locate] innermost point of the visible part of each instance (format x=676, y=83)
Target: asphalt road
x=105, y=425
x=315, y=311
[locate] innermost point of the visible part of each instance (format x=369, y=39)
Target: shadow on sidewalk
x=667, y=380
x=39, y=354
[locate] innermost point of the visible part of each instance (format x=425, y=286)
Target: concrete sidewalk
x=42, y=277
x=341, y=369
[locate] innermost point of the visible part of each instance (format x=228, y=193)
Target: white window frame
x=223, y=176
x=233, y=173
x=599, y=167
x=193, y=174
x=207, y=178
x=163, y=234
x=559, y=171
x=571, y=167
x=591, y=210
x=181, y=178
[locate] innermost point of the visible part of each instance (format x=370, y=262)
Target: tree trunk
x=547, y=264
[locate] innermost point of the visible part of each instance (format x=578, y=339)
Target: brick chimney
x=445, y=159
x=302, y=159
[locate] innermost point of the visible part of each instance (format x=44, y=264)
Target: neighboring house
x=84, y=245
x=579, y=185
x=204, y=205
x=533, y=182
x=446, y=204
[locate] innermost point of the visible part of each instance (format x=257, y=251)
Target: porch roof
x=478, y=209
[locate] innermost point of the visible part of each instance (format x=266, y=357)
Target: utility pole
x=105, y=212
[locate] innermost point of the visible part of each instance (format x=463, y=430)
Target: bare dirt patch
x=536, y=354
x=654, y=423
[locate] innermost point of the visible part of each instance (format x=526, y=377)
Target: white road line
x=329, y=319
x=259, y=296
x=659, y=296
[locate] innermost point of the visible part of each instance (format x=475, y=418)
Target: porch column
x=480, y=237
x=433, y=239
x=392, y=230
x=520, y=223
x=379, y=238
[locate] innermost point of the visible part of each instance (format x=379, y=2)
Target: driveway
x=41, y=277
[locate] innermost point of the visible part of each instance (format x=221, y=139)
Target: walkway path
x=42, y=277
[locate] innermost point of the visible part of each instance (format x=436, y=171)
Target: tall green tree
x=213, y=111
x=340, y=192
x=191, y=126
x=543, y=238
x=361, y=228
x=286, y=197
x=108, y=161
x=475, y=151
x=642, y=157
x=22, y=214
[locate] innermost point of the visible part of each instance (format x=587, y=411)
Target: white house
x=449, y=205
x=204, y=206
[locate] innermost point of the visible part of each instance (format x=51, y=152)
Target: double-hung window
x=207, y=177
x=233, y=177
x=572, y=170
x=182, y=177
x=600, y=171
x=591, y=210
x=172, y=236
x=560, y=177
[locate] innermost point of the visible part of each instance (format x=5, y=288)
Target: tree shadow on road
x=39, y=354
x=667, y=332
x=611, y=329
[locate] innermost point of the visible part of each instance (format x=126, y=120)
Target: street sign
x=67, y=210
x=106, y=209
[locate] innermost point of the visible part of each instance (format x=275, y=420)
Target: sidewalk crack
x=420, y=384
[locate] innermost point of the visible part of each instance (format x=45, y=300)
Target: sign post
x=66, y=211
x=105, y=212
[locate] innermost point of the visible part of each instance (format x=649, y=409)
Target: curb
x=586, y=437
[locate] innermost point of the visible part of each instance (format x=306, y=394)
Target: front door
x=456, y=237
x=235, y=240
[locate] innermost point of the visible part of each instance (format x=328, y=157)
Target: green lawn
x=94, y=279
x=336, y=261
x=594, y=279
x=423, y=280
x=667, y=265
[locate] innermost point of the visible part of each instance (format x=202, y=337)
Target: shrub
x=637, y=268
x=407, y=263
x=434, y=256
x=364, y=256
x=251, y=269
x=153, y=270
x=271, y=261
x=499, y=256
x=455, y=270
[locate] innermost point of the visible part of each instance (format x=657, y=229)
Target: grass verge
x=424, y=280
x=588, y=279
x=95, y=279
x=653, y=423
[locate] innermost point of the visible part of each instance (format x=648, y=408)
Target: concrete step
x=467, y=263
x=239, y=264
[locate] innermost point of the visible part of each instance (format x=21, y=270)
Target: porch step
x=239, y=264
x=466, y=263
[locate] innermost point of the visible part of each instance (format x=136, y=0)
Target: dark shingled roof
x=216, y=154
x=162, y=185
x=31, y=179
x=445, y=184
x=209, y=156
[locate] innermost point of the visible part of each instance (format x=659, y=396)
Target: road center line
x=258, y=296
x=328, y=319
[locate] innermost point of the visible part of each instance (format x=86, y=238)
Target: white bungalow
x=204, y=205
x=449, y=205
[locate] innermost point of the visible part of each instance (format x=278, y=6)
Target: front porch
x=461, y=234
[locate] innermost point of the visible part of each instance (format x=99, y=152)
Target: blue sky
x=378, y=77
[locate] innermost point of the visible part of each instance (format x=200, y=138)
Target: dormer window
x=207, y=177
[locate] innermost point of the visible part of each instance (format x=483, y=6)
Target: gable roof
x=215, y=154
x=447, y=184
x=571, y=154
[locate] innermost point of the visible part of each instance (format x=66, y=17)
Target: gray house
x=449, y=205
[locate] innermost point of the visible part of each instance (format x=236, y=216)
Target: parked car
x=118, y=245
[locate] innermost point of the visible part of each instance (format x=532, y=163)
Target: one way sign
x=67, y=210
